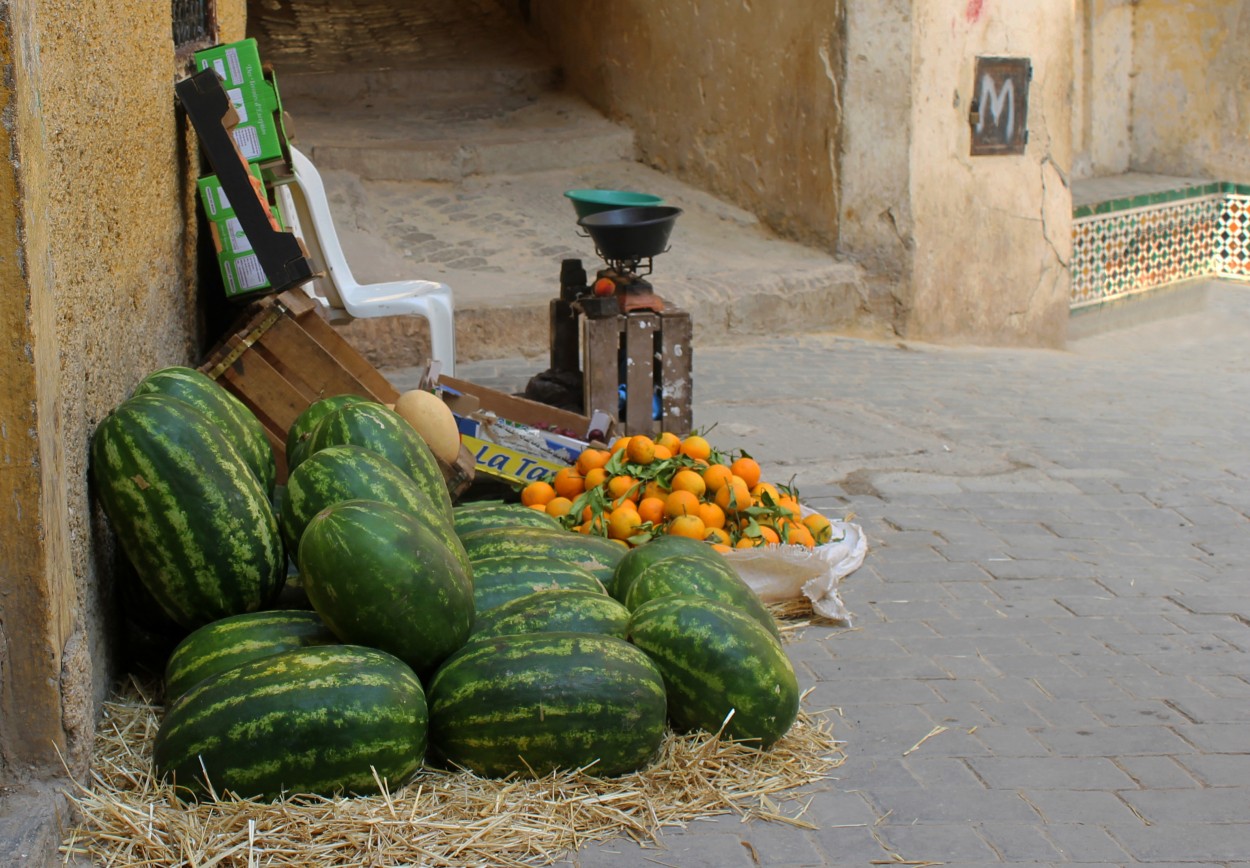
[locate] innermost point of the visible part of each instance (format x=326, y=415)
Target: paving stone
x=1157, y=772
x=1049, y=773
x=1183, y=842
x=1131, y=712
x=1079, y=806
x=1214, y=737
x=1219, y=770
x=1017, y=842
x=933, y=842
x=1107, y=741
x=1079, y=842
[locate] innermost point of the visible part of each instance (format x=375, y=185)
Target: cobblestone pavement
x=1057, y=576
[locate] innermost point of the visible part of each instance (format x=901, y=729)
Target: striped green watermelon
x=699, y=577
x=188, y=512
x=474, y=516
x=715, y=660
x=641, y=557
x=240, y=639
x=387, y=433
x=596, y=555
x=339, y=473
x=231, y=415
x=380, y=578
x=500, y=579
x=558, y=610
x=312, y=720
x=535, y=703
x=300, y=432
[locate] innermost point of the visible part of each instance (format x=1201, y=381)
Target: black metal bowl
x=631, y=233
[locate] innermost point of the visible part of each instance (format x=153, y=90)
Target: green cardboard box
x=258, y=133
x=241, y=271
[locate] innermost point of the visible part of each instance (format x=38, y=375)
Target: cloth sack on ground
x=779, y=573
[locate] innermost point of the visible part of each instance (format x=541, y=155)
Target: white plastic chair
x=305, y=210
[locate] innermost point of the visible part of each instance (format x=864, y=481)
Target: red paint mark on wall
x=974, y=10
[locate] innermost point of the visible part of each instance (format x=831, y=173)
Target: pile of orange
x=641, y=488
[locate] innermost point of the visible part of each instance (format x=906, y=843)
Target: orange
x=760, y=488
x=653, y=488
x=558, y=507
x=716, y=476
x=596, y=477
x=687, y=525
x=749, y=469
x=669, y=441
x=623, y=523
x=537, y=493
x=590, y=459
x=569, y=483
x=713, y=516
x=769, y=535
x=624, y=486
x=790, y=503
x=618, y=444
x=716, y=535
x=641, y=449
x=651, y=509
x=541, y=507
x=734, y=495
x=801, y=536
x=748, y=543
x=662, y=453
x=722, y=548
x=821, y=528
x=689, y=480
x=681, y=503
x=624, y=502
x=696, y=447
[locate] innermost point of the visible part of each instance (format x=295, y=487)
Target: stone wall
x=98, y=259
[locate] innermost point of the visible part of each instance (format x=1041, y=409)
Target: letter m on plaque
x=1000, y=106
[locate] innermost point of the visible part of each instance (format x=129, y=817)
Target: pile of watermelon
x=481, y=636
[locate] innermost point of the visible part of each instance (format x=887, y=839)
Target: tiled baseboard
x=1134, y=244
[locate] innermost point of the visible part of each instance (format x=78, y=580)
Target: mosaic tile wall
x=1143, y=242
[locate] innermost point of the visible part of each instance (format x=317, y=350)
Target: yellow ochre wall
x=97, y=264
x=740, y=99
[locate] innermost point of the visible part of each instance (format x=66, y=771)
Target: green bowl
x=586, y=202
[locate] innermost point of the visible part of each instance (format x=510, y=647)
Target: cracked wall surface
x=993, y=234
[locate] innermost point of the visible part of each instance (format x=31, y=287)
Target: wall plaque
x=1000, y=106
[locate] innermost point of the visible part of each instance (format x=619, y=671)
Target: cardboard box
x=515, y=439
x=241, y=271
x=259, y=133
x=282, y=256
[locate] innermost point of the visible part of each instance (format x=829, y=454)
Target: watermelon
x=639, y=558
x=339, y=473
x=473, y=516
x=380, y=578
x=559, y=610
x=699, y=577
x=532, y=704
x=298, y=435
x=596, y=555
x=227, y=412
x=500, y=579
x=385, y=432
x=310, y=720
x=240, y=639
x=715, y=660
x=188, y=512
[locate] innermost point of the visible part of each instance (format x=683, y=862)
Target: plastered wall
x=993, y=234
x=97, y=256
x=741, y=99
x=1191, y=62
x=1102, y=87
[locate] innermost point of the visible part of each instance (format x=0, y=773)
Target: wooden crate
x=281, y=355
x=653, y=350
